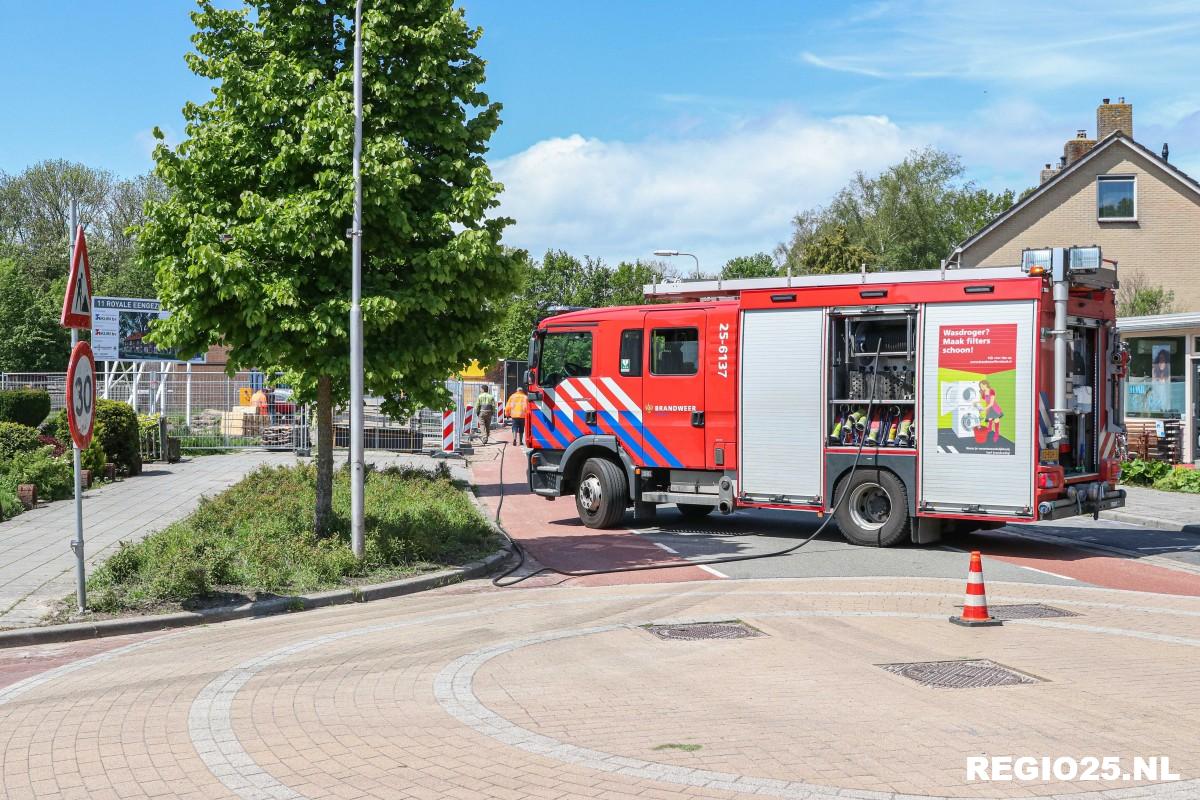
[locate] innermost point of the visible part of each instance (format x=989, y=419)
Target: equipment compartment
x=872, y=362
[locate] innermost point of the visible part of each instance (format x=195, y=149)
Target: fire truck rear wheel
x=874, y=511
x=601, y=494
x=693, y=511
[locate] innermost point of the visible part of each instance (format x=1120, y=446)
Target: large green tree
x=759, y=265
x=910, y=216
x=251, y=244
x=34, y=210
x=32, y=339
x=561, y=280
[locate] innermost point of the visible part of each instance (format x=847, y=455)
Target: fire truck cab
x=905, y=403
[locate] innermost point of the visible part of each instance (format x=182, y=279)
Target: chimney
x=1116, y=116
x=1078, y=147
x=1166, y=152
x=1047, y=173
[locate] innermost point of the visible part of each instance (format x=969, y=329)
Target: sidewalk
x=838, y=689
x=1171, y=511
x=37, y=567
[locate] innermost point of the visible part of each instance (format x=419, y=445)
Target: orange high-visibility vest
x=517, y=406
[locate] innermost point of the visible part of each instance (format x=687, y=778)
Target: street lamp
x=357, y=466
x=674, y=253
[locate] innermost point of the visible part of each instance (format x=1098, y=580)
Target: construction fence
x=211, y=411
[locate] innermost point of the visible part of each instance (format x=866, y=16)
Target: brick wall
x=1163, y=244
x=1114, y=117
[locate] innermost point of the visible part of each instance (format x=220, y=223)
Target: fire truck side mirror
x=529, y=377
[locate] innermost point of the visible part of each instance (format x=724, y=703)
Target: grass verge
x=255, y=539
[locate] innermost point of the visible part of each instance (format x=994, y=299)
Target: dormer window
x=1116, y=198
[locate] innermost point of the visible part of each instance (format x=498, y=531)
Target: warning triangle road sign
x=77, y=305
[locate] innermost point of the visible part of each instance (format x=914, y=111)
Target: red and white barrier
x=448, y=431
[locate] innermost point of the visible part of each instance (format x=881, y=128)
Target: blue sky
x=701, y=125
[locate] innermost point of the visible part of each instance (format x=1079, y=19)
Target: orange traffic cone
x=975, y=610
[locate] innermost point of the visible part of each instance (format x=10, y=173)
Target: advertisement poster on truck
x=120, y=326
x=977, y=378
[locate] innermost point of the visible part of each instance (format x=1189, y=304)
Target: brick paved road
x=37, y=567
x=559, y=693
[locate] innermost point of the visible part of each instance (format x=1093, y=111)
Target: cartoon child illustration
x=990, y=410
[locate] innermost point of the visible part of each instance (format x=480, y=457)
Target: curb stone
x=1151, y=522
x=75, y=631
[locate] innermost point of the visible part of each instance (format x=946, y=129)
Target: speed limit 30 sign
x=81, y=395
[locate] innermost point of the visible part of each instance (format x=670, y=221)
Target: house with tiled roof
x=1144, y=212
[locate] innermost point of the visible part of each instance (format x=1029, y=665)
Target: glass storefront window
x=1157, y=377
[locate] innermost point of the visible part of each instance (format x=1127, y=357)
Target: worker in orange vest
x=516, y=409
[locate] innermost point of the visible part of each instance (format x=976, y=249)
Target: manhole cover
x=960, y=674
x=1029, y=611
x=705, y=630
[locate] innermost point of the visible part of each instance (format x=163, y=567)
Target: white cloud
x=1039, y=44
x=733, y=193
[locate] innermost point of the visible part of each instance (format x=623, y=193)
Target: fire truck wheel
x=602, y=493
x=693, y=511
x=874, y=512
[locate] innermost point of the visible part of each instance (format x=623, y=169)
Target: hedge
x=16, y=438
x=24, y=406
x=117, y=430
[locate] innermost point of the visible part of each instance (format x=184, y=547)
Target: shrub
x=50, y=441
x=24, y=406
x=55, y=426
x=1139, y=472
x=16, y=438
x=10, y=506
x=117, y=430
x=54, y=477
x=257, y=537
x=1180, y=479
x=94, y=458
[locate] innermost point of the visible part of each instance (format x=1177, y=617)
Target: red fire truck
x=905, y=403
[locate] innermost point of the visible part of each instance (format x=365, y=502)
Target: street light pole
x=674, y=253
x=357, y=467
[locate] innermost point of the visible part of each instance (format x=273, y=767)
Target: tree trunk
x=324, y=509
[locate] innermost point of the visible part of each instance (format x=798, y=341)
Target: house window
x=1156, y=386
x=1116, y=198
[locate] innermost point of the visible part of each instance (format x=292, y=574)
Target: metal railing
x=211, y=411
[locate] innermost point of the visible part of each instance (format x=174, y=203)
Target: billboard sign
x=120, y=326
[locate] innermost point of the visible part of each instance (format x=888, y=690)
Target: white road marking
x=664, y=547
x=709, y=569
x=1047, y=572
x=1022, y=566
x=1177, y=547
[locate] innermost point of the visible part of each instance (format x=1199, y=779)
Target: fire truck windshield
x=564, y=355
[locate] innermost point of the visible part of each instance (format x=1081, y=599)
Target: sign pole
x=77, y=543
x=357, y=467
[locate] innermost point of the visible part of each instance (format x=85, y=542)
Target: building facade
x=1145, y=214
x=1109, y=191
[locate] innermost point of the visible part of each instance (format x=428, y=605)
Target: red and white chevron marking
x=448, y=431
x=601, y=394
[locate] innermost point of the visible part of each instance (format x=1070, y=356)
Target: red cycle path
x=552, y=534
x=1111, y=572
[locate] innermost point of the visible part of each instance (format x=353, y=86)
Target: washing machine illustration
x=960, y=399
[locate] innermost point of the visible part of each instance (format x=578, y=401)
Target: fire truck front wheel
x=872, y=508
x=601, y=494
